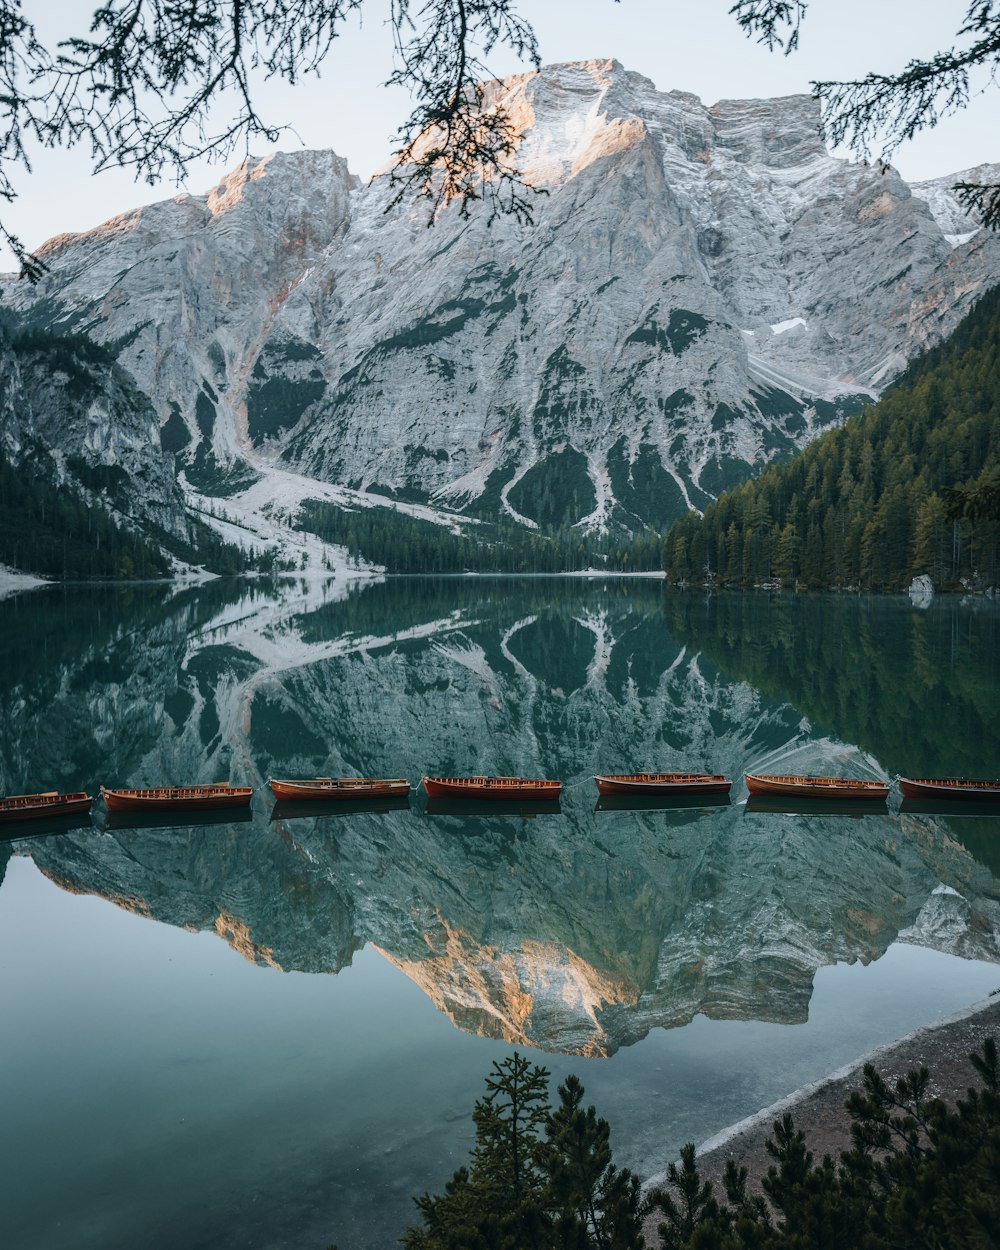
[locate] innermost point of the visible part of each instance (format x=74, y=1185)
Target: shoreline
x=818, y=1107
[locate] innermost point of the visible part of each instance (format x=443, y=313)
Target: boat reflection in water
x=658, y=802
x=951, y=808
x=816, y=807
x=489, y=807
x=289, y=809
x=166, y=819
x=51, y=825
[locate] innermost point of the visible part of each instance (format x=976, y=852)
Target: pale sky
x=688, y=45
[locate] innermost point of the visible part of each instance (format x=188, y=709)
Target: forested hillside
x=87, y=490
x=909, y=486
x=405, y=544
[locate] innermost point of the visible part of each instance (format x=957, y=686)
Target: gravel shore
x=818, y=1109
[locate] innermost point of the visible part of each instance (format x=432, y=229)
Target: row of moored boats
x=501, y=789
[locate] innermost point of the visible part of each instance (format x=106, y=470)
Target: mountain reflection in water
x=577, y=931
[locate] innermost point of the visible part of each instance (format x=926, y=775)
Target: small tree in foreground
x=537, y=1179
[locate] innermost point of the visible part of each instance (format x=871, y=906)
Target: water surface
x=271, y=1033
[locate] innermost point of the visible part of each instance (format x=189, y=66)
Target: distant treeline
x=406, y=544
x=909, y=486
x=53, y=531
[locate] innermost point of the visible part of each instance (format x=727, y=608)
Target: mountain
x=908, y=488
x=701, y=290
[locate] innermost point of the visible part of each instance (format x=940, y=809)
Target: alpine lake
x=271, y=1031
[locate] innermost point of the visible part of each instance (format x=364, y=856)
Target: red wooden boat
x=176, y=798
x=322, y=789
x=503, y=788
x=662, y=783
x=948, y=788
x=39, y=806
x=795, y=785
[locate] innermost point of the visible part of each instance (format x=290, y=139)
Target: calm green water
x=270, y=1033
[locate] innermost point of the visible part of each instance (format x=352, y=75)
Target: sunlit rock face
x=186, y=290
x=702, y=288
x=575, y=932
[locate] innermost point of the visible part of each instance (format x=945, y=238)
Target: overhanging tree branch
x=145, y=86
x=875, y=114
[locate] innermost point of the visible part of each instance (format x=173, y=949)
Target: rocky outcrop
x=74, y=417
x=702, y=289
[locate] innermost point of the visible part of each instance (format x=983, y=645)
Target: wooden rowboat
x=948, y=788
x=662, y=783
x=798, y=786
x=40, y=806
x=176, y=798
x=321, y=789
x=503, y=788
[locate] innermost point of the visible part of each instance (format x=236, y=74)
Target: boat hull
x=499, y=789
x=339, y=789
x=802, y=787
x=43, y=806
x=176, y=798
x=662, y=784
x=951, y=788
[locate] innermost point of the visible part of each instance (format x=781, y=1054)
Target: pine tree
x=596, y=1204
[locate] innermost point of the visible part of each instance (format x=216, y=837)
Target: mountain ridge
x=703, y=289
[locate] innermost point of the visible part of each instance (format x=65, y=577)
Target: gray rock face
x=186, y=290
x=68, y=411
x=701, y=289
x=957, y=223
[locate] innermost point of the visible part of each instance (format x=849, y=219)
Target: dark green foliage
x=207, y=550
x=595, y=1203
x=449, y=318
x=524, y=1190
x=557, y=490
x=174, y=434
x=406, y=544
x=563, y=394
x=107, y=479
x=918, y=1175
x=681, y=330
x=909, y=486
x=209, y=477
x=204, y=414
x=689, y=1205
x=976, y=501
x=644, y=488
x=291, y=350
x=46, y=528
x=82, y=361
x=277, y=403
x=723, y=472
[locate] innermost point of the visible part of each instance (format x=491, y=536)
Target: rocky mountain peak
x=702, y=289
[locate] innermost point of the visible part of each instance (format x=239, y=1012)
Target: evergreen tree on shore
x=909, y=486
x=918, y=1174
x=537, y=1179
